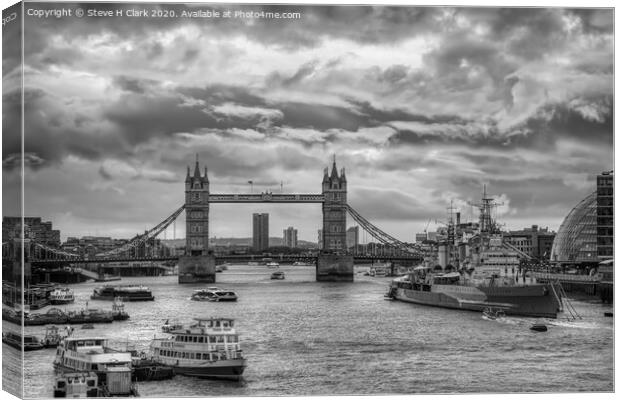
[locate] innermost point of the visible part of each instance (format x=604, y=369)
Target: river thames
x=302, y=337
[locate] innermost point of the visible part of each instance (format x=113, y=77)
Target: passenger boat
x=62, y=296
x=208, y=348
x=124, y=292
x=76, y=385
x=16, y=341
x=214, y=294
x=92, y=354
x=277, y=275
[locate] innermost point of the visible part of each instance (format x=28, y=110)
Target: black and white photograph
x=242, y=199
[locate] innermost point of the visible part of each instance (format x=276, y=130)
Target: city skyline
x=422, y=106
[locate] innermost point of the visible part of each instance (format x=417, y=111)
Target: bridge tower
x=196, y=213
x=335, y=211
x=334, y=264
x=198, y=264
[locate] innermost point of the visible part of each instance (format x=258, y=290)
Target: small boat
x=61, y=296
x=277, y=275
x=272, y=264
x=16, y=341
x=167, y=326
x=214, y=294
x=118, y=310
x=539, y=327
x=88, y=326
x=492, y=314
x=76, y=384
x=52, y=337
x=147, y=369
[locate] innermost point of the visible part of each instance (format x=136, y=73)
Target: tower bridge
x=333, y=263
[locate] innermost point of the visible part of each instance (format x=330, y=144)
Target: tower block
x=334, y=265
x=198, y=265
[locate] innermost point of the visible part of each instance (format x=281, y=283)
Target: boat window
x=80, y=343
x=89, y=343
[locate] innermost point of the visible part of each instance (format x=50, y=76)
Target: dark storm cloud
x=587, y=120
x=595, y=20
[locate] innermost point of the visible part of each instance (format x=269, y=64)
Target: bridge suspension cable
x=380, y=235
x=55, y=251
x=153, y=232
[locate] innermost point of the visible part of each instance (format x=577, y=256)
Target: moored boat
x=52, y=337
x=76, y=385
x=118, y=310
x=124, y=292
x=208, y=348
x=92, y=354
x=16, y=340
x=489, y=277
x=62, y=296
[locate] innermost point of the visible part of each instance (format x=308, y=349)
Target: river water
x=302, y=337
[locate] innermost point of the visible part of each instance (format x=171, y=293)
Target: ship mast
x=487, y=224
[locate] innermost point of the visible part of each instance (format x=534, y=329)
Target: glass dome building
x=575, y=241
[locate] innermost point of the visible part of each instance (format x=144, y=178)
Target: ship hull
x=529, y=301
x=223, y=369
x=123, y=297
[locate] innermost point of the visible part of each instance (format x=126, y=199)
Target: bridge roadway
x=266, y=198
x=224, y=258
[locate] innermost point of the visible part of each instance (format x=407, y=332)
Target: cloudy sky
x=422, y=106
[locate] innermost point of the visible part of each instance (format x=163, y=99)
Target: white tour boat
x=62, y=296
x=207, y=349
x=214, y=294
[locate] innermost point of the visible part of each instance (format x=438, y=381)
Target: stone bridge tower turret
x=196, y=212
x=335, y=211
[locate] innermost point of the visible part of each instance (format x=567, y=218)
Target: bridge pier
x=197, y=269
x=334, y=268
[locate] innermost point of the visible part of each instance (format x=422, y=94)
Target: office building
x=353, y=237
x=535, y=242
x=260, y=231
x=34, y=228
x=290, y=237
